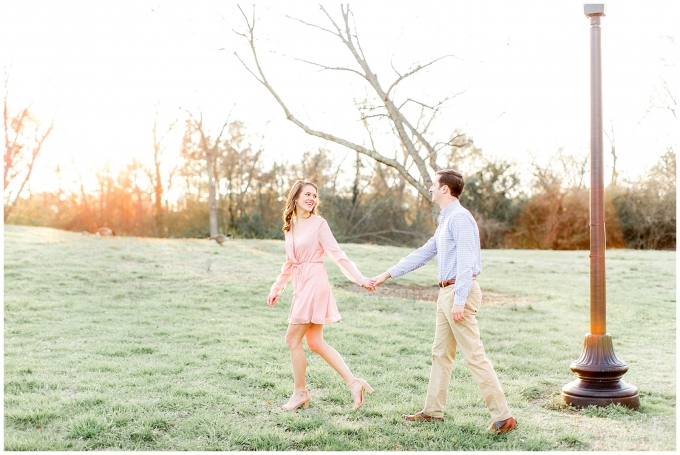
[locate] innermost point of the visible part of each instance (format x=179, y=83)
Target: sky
x=105, y=70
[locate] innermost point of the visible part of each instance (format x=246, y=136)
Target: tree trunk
x=158, y=201
x=435, y=214
x=614, y=173
x=212, y=193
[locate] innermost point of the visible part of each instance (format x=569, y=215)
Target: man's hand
x=380, y=279
x=457, y=313
x=271, y=300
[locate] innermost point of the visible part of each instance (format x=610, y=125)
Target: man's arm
x=467, y=246
x=417, y=259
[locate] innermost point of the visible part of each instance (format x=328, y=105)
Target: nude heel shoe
x=364, y=386
x=304, y=403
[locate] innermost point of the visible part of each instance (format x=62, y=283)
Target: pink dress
x=312, y=297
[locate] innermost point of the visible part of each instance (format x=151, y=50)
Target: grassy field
x=146, y=344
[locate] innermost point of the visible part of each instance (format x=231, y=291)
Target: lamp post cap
x=594, y=9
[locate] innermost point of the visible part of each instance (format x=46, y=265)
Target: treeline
x=639, y=213
x=364, y=201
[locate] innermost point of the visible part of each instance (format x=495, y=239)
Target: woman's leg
x=317, y=344
x=294, y=336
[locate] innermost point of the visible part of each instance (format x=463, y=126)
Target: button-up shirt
x=456, y=243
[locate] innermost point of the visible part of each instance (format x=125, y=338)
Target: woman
x=307, y=238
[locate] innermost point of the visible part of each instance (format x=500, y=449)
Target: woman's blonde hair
x=289, y=209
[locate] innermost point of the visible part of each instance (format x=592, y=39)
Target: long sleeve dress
x=313, y=299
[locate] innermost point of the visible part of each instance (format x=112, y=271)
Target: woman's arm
x=280, y=283
x=330, y=246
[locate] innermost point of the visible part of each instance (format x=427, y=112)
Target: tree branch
x=395, y=116
x=339, y=33
x=337, y=68
x=450, y=142
x=434, y=107
x=414, y=71
x=323, y=135
x=312, y=25
x=34, y=155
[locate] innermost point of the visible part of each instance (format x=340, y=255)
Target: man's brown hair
x=453, y=179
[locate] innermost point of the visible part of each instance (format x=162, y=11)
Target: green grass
x=145, y=344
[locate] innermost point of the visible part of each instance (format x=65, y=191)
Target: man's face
x=437, y=190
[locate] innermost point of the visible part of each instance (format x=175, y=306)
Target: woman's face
x=306, y=202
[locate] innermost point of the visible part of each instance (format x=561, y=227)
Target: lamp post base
x=599, y=374
x=582, y=394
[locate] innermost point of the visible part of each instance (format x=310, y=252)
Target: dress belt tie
x=295, y=264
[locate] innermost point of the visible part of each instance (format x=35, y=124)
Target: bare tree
x=416, y=150
x=662, y=99
x=669, y=102
x=574, y=168
x=240, y=165
x=155, y=173
x=664, y=96
x=107, y=186
x=612, y=142
x=24, y=139
x=563, y=171
x=208, y=149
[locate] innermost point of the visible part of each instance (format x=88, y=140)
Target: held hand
x=380, y=279
x=271, y=300
x=457, y=313
x=369, y=285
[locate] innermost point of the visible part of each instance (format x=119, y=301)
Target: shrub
x=559, y=220
x=646, y=207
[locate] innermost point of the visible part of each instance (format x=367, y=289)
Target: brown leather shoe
x=508, y=425
x=421, y=417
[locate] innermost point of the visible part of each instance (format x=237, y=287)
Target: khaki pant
x=465, y=335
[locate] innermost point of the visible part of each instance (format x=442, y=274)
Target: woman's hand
x=369, y=285
x=271, y=300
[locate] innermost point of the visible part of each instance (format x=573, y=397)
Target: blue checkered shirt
x=456, y=243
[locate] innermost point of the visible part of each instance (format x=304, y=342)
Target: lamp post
x=598, y=369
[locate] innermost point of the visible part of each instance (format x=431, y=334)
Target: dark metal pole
x=598, y=315
x=598, y=369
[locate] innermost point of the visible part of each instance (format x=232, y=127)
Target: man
x=456, y=243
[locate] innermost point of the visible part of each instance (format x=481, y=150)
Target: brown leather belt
x=443, y=284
